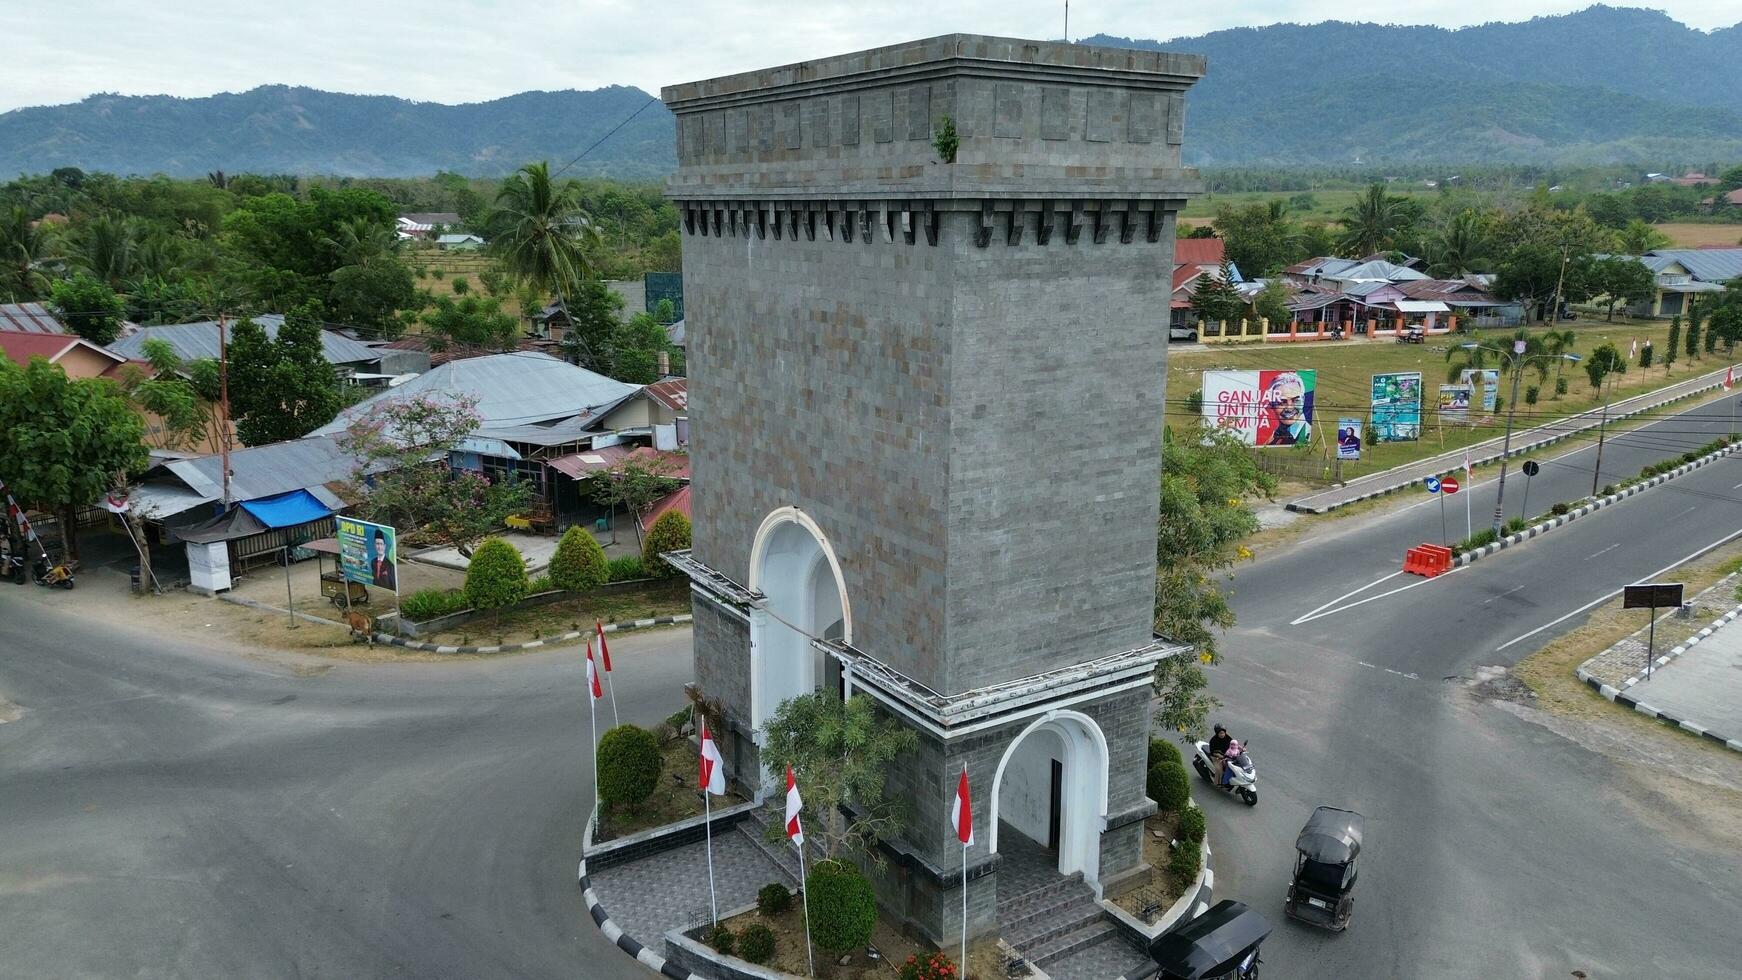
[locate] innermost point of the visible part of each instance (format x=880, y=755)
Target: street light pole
x=1506, y=448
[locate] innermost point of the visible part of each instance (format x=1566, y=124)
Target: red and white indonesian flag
x=593, y=674
x=604, y=651
x=712, y=774
x=1633, y=349
x=1730, y=378
x=1466, y=464
x=115, y=503
x=794, y=830
x=962, y=812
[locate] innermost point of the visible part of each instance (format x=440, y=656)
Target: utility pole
x=224, y=401
x=1597, y=471
x=1506, y=448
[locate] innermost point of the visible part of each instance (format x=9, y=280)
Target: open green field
x=1344, y=388
x=1327, y=205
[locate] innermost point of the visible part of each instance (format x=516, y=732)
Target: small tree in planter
x=670, y=533
x=842, y=752
x=579, y=563
x=843, y=908
x=496, y=576
x=628, y=766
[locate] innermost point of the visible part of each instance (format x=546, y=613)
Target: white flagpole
x=611, y=685
x=964, y=969
x=805, y=897
x=593, y=718
x=708, y=822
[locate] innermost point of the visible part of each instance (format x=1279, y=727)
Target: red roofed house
x=1193, y=258
x=78, y=357
x=678, y=500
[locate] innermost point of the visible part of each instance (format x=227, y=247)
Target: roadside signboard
x=1532, y=467
x=1348, y=438
x=1455, y=404
x=1652, y=595
x=1432, y=483
x=1396, y=405
x=1261, y=408
x=1490, y=383
x=369, y=553
x=1449, y=484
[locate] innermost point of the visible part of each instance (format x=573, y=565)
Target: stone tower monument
x=926, y=398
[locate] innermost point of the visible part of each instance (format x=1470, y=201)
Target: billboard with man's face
x=1455, y=404
x=368, y=553
x=1396, y=407
x=1261, y=408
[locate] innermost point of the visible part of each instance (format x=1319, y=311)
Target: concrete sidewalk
x=1523, y=441
x=1696, y=685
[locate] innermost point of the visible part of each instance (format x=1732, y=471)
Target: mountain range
x=1603, y=85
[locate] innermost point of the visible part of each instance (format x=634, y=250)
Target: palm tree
x=542, y=234
x=1375, y=221
x=361, y=242
x=107, y=247
x=1559, y=343
x=1474, y=354
x=1459, y=244
x=24, y=246
x=1638, y=238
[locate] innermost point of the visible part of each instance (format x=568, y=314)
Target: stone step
x=1075, y=941
x=781, y=854
x=1017, y=900
x=1042, y=926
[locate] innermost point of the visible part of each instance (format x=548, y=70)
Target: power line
x=605, y=137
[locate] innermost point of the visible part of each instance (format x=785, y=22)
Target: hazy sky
x=471, y=50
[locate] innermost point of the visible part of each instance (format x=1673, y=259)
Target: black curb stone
x=400, y=641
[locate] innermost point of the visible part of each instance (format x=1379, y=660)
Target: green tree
x=470, y=321
x=1458, y=246
x=1271, y=303
x=628, y=766
x=1674, y=342
x=395, y=481
x=106, y=247
x=496, y=576
x=1378, y=221
x=1207, y=481
x=1557, y=344
x=842, y=752
x=632, y=485
x=1645, y=355
x=284, y=387
x=1603, y=362
x=24, y=248
x=182, y=395
x=579, y=564
x=541, y=234
x=842, y=906
x=1215, y=298
x=1637, y=238
x=594, y=314
x=283, y=250
x=89, y=307
x=1261, y=238
x=370, y=296
x=670, y=533
x=1621, y=279
x=1696, y=317
x=65, y=443
x=635, y=349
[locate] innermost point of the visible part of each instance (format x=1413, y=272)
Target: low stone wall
x=455, y=620
x=702, y=960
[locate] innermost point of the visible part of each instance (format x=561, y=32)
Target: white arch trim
x=759, y=550
x=1082, y=725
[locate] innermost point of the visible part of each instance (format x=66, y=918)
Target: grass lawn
x=1694, y=235
x=667, y=597
x=1344, y=385
x=1327, y=205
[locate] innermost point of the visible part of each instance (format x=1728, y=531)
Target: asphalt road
x=176, y=812
x=1497, y=847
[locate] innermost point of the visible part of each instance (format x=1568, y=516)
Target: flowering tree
x=403, y=477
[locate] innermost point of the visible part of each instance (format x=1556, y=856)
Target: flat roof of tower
x=963, y=52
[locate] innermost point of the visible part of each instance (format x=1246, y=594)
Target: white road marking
x=1411, y=676
x=1315, y=614
x=1737, y=487
x=1502, y=595
x=1346, y=595
x=1599, y=601
x=1606, y=550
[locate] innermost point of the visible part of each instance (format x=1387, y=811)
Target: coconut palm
x=1559, y=343
x=361, y=241
x=542, y=234
x=1458, y=245
x=24, y=246
x=1376, y=221
x=1638, y=238
x=107, y=247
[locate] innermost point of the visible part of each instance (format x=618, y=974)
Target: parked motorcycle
x=12, y=567
x=51, y=576
x=1244, y=782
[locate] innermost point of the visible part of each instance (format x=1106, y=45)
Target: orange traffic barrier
x=1427, y=560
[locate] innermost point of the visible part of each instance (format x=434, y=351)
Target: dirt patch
x=893, y=947
x=675, y=798
x=1694, y=234
x=1159, y=891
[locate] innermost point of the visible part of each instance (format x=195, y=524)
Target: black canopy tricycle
x=1324, y=868
x=1221, y=944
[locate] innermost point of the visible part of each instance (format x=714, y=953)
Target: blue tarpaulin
x=287, y=509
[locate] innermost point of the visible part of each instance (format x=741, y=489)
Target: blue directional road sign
x=1432, y=483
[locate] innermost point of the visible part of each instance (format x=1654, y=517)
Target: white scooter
x=1244, y=782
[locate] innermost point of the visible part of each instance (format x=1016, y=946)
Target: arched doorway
x=1051, y=787
x=793, y=565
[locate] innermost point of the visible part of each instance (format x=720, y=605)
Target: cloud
x=473, y=50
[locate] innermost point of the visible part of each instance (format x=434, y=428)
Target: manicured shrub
x=1560, y=386
x=773, y=899
x=843, y=908
x=496, y=577
x=1191, y=825
x=460, y=286
x=1608, y=490
x=427, y=604
x=931, y=966
x=579, y=563
x=1168, y=786
x=1163, y=750
x=1560, y=509
x=628, y=765
x=670, y=533
x=1185, y=863
x=756, y=943
x=625, y=568
x=1530, y=395
x=721, y=939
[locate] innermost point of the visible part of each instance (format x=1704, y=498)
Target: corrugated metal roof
x=673, y=393
x=29, y=318
x=1705, y=264
x=263, y=471
x=566, y=430
x=193, y=341
x=515, y=388
x=581, y=465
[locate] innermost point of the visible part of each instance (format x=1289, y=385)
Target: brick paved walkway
x=1627, y=657
x=670, y=890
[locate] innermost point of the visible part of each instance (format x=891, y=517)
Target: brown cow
x=361, y=625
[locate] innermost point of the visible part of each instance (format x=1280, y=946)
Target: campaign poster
x=1396, y=406
x=368, y=553
x=1489, y=382
x=1455, y=404
x=1261, y=408
x=1348, y=438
